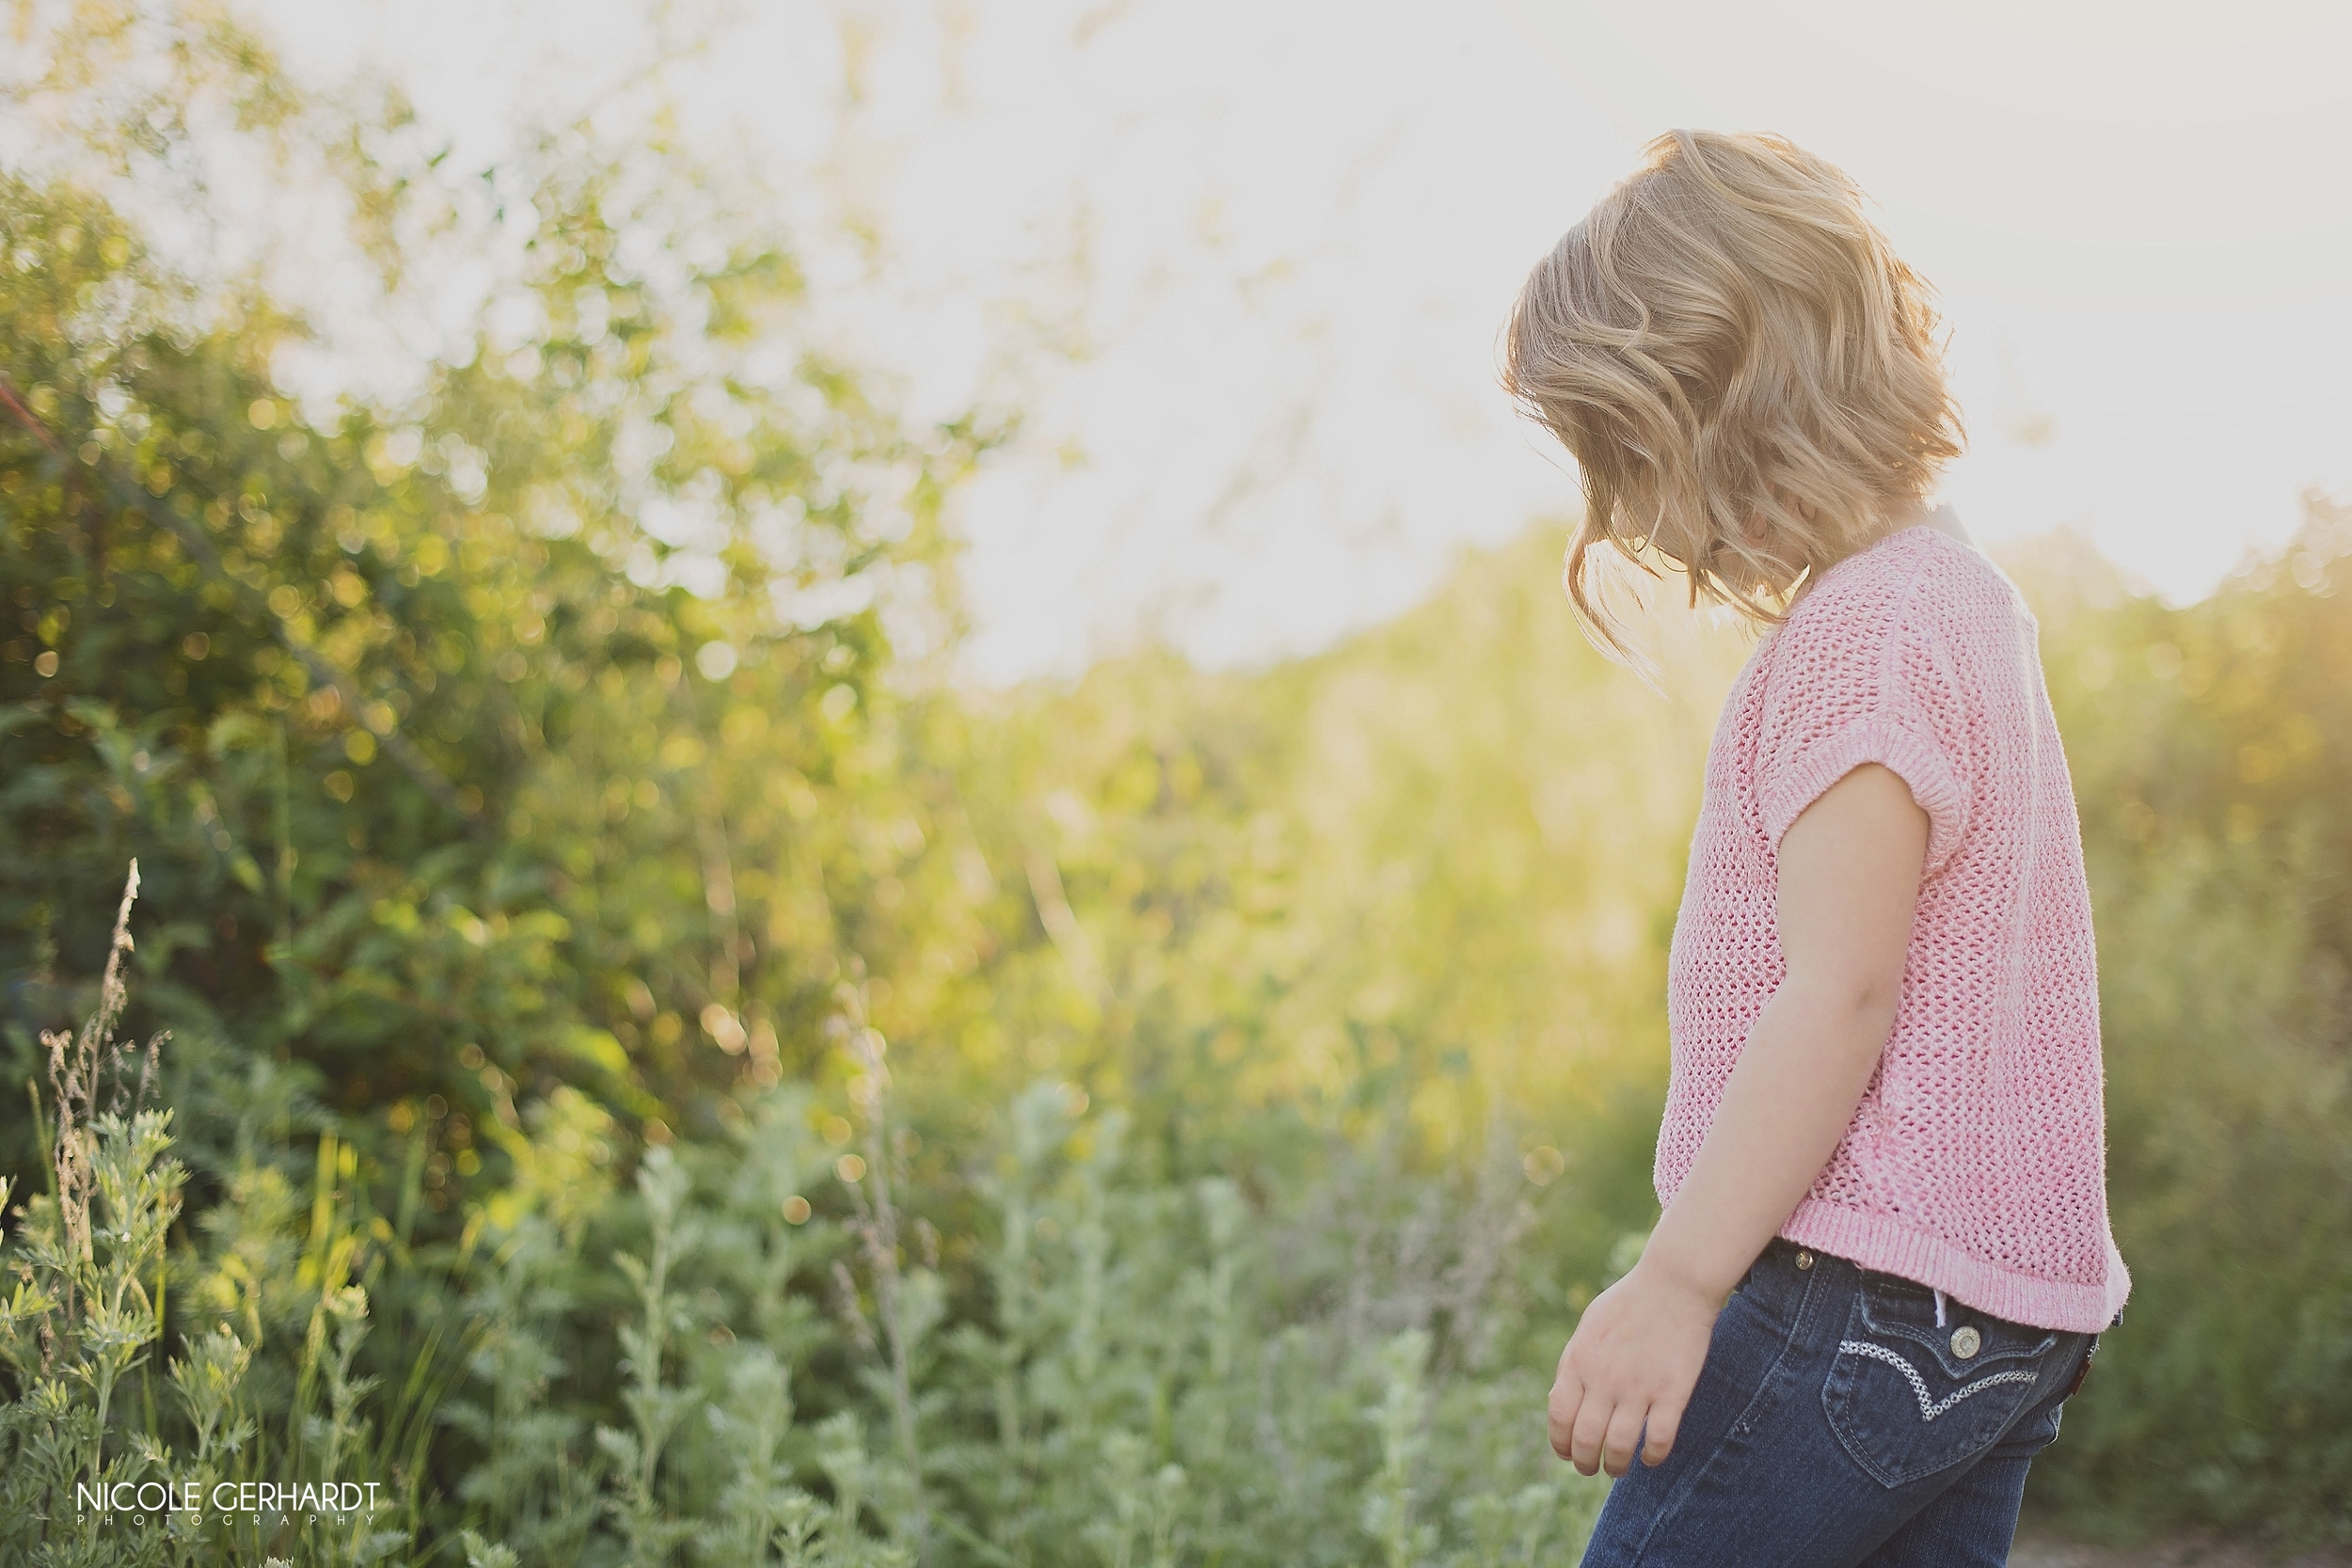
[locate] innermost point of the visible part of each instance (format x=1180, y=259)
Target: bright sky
x=1245, y=261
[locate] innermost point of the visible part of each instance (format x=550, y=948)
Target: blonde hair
x=1726, y=342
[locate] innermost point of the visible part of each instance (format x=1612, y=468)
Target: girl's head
x=1746, y=372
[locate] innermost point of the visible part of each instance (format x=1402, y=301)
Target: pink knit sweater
x=1975, y=1162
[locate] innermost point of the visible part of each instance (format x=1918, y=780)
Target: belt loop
x=1939, y=1306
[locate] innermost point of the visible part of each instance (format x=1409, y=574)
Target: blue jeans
x=1837, y=1424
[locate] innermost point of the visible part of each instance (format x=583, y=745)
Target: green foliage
x=406, y=710
x=655, y=1077
x=95, y=1474
x=1082, y=1421
x=2209, y=745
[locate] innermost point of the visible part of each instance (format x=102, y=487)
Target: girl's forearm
x=1789, y=1098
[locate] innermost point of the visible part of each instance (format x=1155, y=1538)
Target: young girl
x=1884, y=1258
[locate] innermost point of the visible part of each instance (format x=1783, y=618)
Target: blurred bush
x=2208, y=746
x=505, y=736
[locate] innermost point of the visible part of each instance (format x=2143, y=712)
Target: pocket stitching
x=1840, y=1389
x=1883, y=1322
x=1930, y=1409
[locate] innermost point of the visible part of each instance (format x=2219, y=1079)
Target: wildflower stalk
x=1401, y=1418
x=878, y=1238
x=75, y=1061
x=655, y=1407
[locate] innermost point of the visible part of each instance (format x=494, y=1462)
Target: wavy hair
x=1749, y=378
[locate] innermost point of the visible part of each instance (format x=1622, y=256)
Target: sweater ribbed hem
x=1875, y=738
x=1887, y=1245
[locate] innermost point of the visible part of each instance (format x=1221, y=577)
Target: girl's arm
x=1848, y=878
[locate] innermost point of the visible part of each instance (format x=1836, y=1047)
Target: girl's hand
x=1634, y=1358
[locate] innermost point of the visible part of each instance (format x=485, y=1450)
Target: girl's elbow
x=1876, y=996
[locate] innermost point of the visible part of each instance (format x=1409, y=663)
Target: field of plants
x=607, y=1044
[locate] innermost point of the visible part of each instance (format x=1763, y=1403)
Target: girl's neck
x=1916, y=513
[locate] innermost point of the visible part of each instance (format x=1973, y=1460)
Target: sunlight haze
x=1243, y=265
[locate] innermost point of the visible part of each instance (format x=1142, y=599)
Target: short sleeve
x=1862, y=682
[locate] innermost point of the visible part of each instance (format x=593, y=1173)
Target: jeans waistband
x=1780, y=1249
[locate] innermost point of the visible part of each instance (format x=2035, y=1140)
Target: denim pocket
x=1908, y=1397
